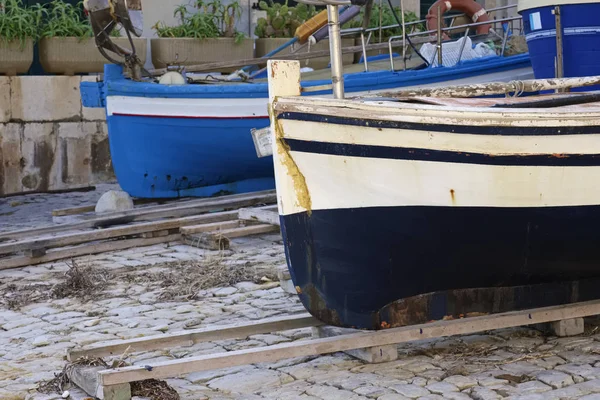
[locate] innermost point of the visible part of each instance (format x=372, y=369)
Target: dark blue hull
x=370, y=268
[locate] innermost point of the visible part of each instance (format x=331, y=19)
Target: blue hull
x=161, y=155
x=175, y=157
x=581, y=40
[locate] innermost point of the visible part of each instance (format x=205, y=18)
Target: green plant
x=65, y=20
x=211, y=20
x=18, y=22
x=282, y=20
x=387, y=18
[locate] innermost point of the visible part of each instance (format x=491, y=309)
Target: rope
x=519, y=88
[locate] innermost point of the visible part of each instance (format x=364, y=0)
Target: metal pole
x=364, y=51
x=504, y=39
x=403, y=34
x=559, y=43
x=439, y=36
x=462, y=47
x=335, y=47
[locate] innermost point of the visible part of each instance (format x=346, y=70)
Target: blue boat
x=578, y=39
x=186, y=140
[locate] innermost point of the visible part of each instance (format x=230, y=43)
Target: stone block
x=567, y=327
x=38, y=149
x=88, y=113
x=5, y=112
x=102, y=169
x=10, y=158
x=45, y=98
x=376, y=354
x=563, y=328
x=75, y=152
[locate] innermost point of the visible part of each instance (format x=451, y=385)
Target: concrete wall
x=48, y=141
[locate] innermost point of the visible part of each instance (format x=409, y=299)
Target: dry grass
x=82, y=282
x=185, y=279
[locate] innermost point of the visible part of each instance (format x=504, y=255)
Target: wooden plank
x=348, y=342
x=62, y=212
x=154, y=212
x=246, y=231
x=114, y=245
x=189, y=230
x=108, y=233
x=206, y=241
x=266, y=216
x=191, y=337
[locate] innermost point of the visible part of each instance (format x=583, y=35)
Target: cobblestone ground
x=165, y=288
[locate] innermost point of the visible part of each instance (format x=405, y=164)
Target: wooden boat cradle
x=378, y=346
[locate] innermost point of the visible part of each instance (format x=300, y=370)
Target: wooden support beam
x=220, y=240
x=89, y=249
x=73, y=238
x=359, y=340
x=191, y=337
x=216, y=226
x=63, y=212
x=182, y=209
x=266, y=216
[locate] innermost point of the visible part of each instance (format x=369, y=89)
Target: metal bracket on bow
x=107, y=15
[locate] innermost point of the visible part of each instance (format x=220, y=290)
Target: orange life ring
x=475, y=11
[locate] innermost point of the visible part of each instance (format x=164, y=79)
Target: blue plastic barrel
x=580, y=22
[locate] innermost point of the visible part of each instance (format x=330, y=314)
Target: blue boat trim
x=462, y=129
x=353, y=266
x=408, y=153
x=117, y=85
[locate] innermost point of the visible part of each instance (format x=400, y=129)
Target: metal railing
x=335, y=34
x=439, y=32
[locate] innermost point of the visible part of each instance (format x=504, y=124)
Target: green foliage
x=211, y=20
x=60, y=19
x=387, y=18
x=65, y=20
x=282, y=20
x=17, y=22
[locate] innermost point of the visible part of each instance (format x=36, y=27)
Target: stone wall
x=48, y=140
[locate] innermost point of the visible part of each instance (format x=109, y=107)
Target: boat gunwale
x=430, y=114
x=354, y=82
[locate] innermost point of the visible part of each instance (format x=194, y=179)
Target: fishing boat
x=427, y=204
x=192, y=139
x=563, y=37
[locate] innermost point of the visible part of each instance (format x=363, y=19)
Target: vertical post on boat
x=559, y=43
x=284, y=80
x=403, y=34
x=439, y=36
x=335, y=48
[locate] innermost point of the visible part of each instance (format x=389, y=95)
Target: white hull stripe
x=335, y=182
x=591, y=30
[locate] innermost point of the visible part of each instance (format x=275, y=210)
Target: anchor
x=105, y=16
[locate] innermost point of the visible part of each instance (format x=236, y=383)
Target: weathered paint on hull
x=391, y=266
x=395, y=213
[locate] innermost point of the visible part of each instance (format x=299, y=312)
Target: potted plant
x=18, y=31
x=67, y=45
x=387, y=19
x=206, y=35
x=279, y=27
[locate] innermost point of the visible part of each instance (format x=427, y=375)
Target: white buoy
x=172, y=78
x=66, y=394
